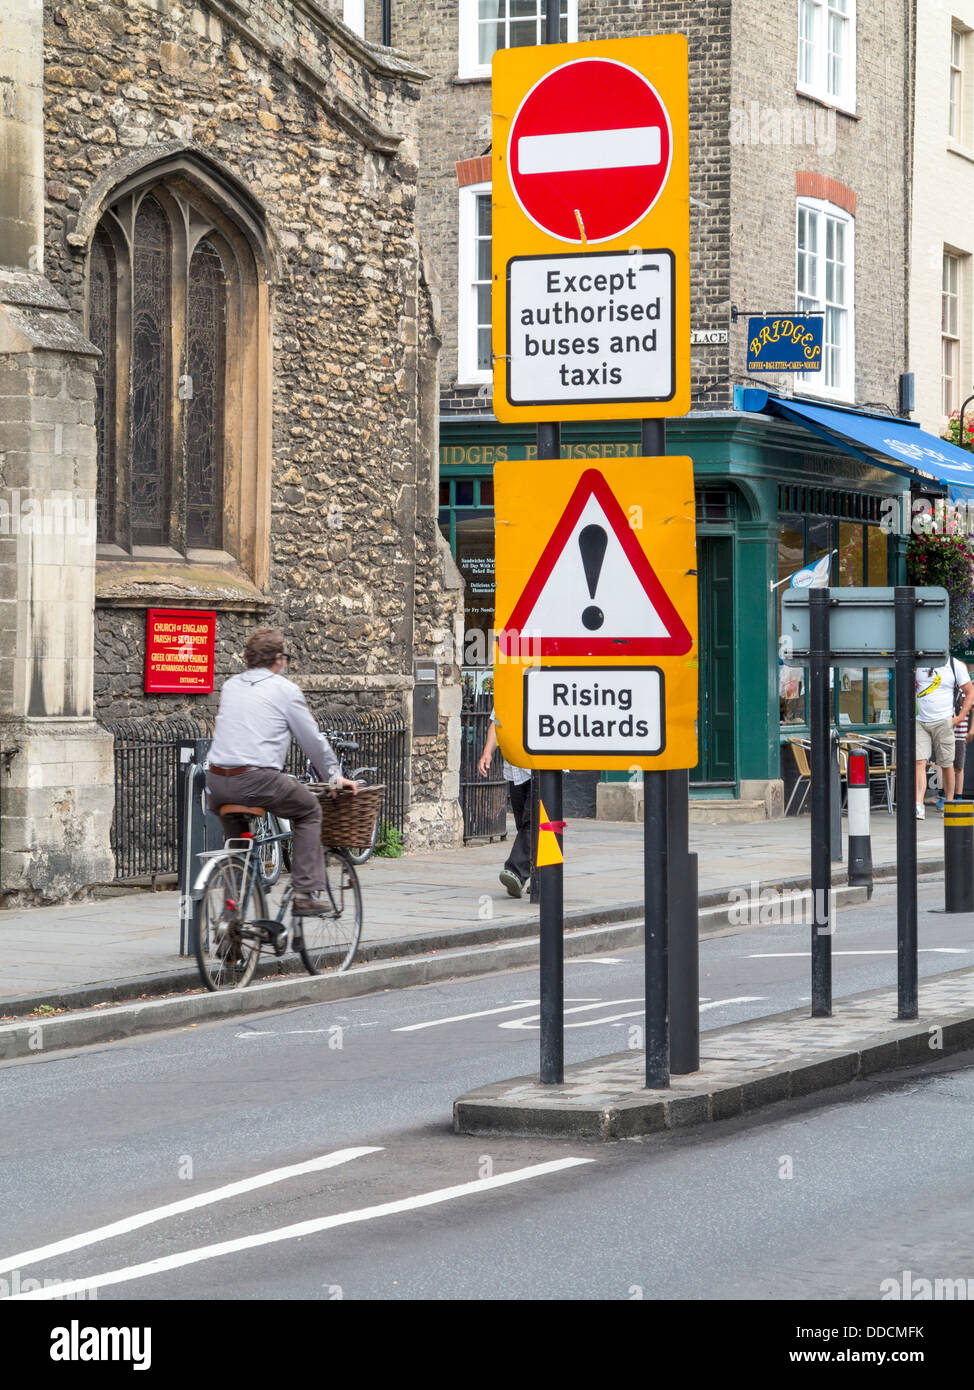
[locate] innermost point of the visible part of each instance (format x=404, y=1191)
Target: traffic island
x=743, y=1068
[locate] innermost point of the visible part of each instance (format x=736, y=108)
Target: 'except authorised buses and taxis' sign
x=591, y=230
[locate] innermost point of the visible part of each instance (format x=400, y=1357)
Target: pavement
x=418, y=902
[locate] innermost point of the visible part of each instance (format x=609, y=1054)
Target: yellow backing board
x=535, y=250
x=596, y=656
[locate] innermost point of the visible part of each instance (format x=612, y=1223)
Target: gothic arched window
x=177, y=401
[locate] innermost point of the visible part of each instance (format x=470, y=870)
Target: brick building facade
x=215, y=318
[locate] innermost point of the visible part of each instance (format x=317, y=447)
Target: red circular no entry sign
x=590, y=150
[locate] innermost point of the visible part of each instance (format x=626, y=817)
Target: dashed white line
x=202, y=1199
x=301, y=1228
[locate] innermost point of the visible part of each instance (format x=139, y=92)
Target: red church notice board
x=179, y=651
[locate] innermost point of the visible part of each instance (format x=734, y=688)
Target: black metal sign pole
x=552, y=946
x=904, y=605
x=550, y=881
x=657, y=867
x=819, y=652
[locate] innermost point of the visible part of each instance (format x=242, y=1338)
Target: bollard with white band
x=860, y=843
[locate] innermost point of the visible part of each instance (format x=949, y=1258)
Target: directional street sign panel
x=596, y=658
x=591, y=298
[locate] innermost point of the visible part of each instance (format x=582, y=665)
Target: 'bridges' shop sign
x=179, y=648
x=785, y=344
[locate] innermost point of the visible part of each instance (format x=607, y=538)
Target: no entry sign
x=589, y=150
x=591, y=164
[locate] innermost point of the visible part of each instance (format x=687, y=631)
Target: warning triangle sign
x=593, y=592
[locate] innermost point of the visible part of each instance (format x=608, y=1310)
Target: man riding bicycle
x=260, y=712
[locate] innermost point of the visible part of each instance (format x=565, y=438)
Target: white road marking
x=282, y=1032
x=297, y=1231
x=534, y=1022
x=933, y=950
x=589, y=149
x=595, y=960
x=462, y=1018
x=202, y=1199
x=740, y=999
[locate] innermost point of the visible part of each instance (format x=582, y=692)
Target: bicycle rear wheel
x=227, y=947
x=329, y=942
x=272, y=858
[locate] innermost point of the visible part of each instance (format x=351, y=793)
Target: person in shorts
x=963, y=733
x=936, y=720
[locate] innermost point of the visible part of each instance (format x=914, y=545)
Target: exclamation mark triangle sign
x=593, y=592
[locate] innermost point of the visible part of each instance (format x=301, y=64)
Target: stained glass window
x=101, y=330
x=149, y=454
x=163, y=343
x=205, y=344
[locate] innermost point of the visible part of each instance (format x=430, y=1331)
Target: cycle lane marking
x=481, y=1013
x=534, y=1020
x=298, y=1230
x=202, y=1199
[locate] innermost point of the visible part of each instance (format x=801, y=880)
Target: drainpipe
x=386, y=23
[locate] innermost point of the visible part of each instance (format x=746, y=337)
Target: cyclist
x=260, y=712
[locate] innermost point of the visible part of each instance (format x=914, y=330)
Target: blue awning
x=893, y=443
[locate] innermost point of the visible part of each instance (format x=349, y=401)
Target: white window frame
x=951, y=323
x=815, y=383
x=353, y=14
x=814, y=77
x=469, y=64
x=468, y=372
x=960, y=110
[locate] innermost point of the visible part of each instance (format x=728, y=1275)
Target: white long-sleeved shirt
x=259, y=714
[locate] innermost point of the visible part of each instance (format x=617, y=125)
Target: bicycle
x=230, y=922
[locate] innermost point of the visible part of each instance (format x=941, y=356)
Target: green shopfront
x=771, y=498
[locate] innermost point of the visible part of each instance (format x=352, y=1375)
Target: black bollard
x=959, y=856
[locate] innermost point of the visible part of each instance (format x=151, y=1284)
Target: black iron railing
x=145, y=825
x=483, y=800
x=381, y=739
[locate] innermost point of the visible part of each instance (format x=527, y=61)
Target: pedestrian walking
x=516, y=873
x=963, y=733
x=944, y=696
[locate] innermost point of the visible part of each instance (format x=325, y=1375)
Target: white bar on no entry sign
x=588, y=149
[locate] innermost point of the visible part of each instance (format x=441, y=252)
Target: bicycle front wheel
x=226, y=946
x=329, y=942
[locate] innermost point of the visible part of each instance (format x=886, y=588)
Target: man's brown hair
x=264, y=646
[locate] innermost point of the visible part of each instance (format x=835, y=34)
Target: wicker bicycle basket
x=348, y=818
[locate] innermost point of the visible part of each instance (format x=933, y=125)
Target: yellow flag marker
x=548, y=851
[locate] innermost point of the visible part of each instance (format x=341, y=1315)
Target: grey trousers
x=281, y=794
